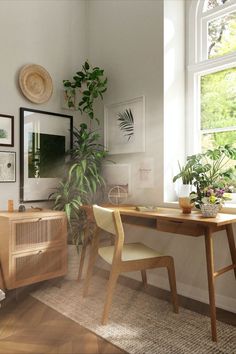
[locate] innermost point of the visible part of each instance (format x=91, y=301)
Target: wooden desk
x=195, y=225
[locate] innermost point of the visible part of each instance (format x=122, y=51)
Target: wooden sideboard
x=33, y=246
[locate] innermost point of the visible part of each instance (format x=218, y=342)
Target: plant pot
x=185, y=204
x=210, y=210
x=73, y=260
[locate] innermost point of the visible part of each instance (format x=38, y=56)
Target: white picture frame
x=7, y=166
x=124, y=126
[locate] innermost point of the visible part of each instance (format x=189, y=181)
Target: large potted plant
x=82, y=182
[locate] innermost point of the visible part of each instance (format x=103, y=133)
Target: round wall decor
x=35, y=83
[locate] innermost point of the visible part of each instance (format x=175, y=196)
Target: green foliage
x=221, y=35
x=209, y=171
x=82, y=180
x=218, y=99
x=91, y=83
x=126, y=122
x=186, y=172
x=218, y=93
x=211, y=168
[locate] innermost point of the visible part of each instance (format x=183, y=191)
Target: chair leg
x=110, y=289
x=172, y=281
x=144, y=278
x=92, y=260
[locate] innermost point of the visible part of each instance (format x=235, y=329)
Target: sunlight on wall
x=174, y=93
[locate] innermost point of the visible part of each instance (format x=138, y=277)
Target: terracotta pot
x=184, y=201
x=185, y=204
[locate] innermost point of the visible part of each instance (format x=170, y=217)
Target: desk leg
x=210, y=275
x=230, y=236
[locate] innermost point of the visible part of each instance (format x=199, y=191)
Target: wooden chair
x=124, y=257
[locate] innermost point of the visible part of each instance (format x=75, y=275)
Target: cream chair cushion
x=130, y=252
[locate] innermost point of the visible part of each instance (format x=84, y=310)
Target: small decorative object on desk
x=209, y=200
x=21, y=208
x=146, y=208
x=117, y=195
x=10, y=205
x=210, y=210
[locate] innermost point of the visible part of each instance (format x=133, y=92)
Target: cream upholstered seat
x=124, y=257
x=130, y=252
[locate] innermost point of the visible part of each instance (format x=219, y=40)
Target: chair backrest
x=109, y=220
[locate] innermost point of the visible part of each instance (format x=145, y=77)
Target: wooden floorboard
x=27, y=326
x=30, y=327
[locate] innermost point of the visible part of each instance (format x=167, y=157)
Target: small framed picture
x=7, y=166
x=6, y=130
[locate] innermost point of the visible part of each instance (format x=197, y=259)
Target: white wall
x=174, y=93
x=49, y=33
x=126, y=39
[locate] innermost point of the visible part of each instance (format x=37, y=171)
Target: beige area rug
x=138, y=323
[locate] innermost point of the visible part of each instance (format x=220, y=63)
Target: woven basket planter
x=210, y=210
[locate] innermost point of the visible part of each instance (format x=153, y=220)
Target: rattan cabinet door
x=31, y=267
x=35, y=233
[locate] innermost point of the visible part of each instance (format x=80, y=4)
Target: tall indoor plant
x=82, y=180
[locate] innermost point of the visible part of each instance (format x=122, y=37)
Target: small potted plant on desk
x=209, y=200
x=209, y=171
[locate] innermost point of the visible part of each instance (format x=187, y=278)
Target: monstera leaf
x=126, y=124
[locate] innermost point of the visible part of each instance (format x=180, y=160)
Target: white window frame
x=198, y=65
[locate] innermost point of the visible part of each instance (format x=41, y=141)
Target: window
x=211, y=108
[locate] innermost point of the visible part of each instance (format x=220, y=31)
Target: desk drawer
x=179, y=227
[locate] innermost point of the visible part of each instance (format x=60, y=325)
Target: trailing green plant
x=126, y=124
x=91, y=84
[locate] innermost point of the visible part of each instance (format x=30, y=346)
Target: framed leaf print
x=125, y=127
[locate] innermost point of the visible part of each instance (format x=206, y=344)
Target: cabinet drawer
x=178, y=227
x=29, y=233
x=30, y=267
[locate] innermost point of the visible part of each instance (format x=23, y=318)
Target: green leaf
x=126, y=123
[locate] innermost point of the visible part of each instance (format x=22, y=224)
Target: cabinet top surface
x=31, y=213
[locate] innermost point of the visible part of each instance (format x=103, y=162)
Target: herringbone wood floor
x=29, y=326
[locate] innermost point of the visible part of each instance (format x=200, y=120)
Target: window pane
x=218, y=99
x=211, y=4
x=213, y=140
x=221, y=35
